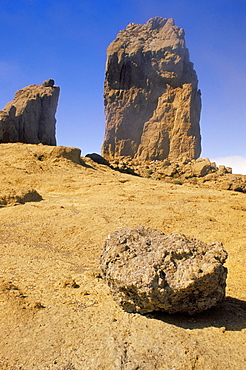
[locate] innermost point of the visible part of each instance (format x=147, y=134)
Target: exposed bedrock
x=152, y=101
x=30, y=117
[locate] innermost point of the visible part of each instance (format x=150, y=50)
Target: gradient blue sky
x=67, y=39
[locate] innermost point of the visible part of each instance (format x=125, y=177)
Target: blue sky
x=67, y=39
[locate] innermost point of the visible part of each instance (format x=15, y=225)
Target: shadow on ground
x=230, y=314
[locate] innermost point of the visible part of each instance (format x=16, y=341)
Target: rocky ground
x=56, y=311
x=200, y=172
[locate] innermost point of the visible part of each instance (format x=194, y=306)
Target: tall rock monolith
x=30, y=117
x=152, y=101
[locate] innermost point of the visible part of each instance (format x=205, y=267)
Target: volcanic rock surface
x=30, y=117
x=57, y=313
x=152, y=101
x=147, y=270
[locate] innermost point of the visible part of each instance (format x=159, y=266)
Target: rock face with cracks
x=30, y=117
x=147, y=270
x=152, y=101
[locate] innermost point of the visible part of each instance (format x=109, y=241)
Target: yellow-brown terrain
x=55, y=310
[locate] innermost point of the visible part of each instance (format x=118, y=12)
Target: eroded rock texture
x=152, y=102
x=147, y=270
x=30, y=117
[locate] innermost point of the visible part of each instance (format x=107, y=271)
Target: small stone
x=48, y=83
x=201, y=167
x=222, y=170
x=71, y=283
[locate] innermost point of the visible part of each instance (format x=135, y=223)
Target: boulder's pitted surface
x=147, y=270
x=152, y=103
x=30, y=117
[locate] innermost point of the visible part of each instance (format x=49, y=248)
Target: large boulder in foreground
x=147, y=270
x=152, y=101
x=30, y=117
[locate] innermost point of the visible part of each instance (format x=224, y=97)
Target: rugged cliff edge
x=152, y=101
x=30, y=117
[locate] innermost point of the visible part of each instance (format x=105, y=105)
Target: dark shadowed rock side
x=147, y=270
x=97, y=158
x=152, y=101
x=30, y=117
